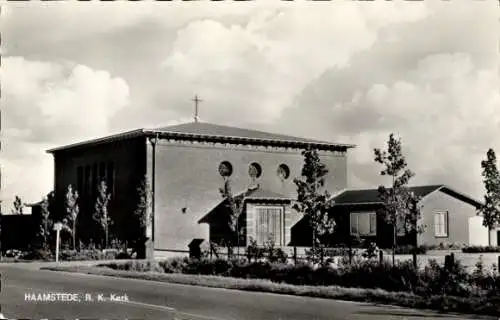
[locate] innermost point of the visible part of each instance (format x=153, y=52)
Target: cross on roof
x=196, y=101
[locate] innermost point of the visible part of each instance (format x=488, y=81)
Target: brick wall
x=188, y=182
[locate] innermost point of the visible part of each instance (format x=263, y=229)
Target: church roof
x=209, y=132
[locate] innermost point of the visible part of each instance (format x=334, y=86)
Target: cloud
x=445, y=109
x=259, y=66
x=349, y=72
x=47, y=104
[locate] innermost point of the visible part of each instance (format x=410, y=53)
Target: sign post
x=57, y=228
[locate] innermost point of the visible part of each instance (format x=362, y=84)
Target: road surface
x=154, y=300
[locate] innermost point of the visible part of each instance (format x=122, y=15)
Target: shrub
x=38, y=254
x=481, y=249
x=411, y=249
x=123, y=255
x=371, y=250
x=90, y=255
x=269, y=251
x=174, y=265
x=433, y=280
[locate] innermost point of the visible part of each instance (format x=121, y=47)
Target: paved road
x=154, y=300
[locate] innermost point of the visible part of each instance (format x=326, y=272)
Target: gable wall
x=459, y=213
x=187, y=177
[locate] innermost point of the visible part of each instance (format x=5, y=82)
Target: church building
x=186, y=165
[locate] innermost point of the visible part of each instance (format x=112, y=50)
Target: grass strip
x=476, y=306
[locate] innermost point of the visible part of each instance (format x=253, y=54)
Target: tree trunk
x=237, y=239
x=394, y=245
x=106, y=237
x=74, y=236
x=314, y=242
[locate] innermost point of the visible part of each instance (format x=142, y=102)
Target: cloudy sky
x=347, y=72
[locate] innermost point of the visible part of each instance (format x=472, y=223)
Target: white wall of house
x=478, y=234
x=494, y=239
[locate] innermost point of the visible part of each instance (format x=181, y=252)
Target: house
x=186, y=165
x=19, y=231
x=448, y=217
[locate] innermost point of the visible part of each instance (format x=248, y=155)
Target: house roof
x=250, y=195
x=370, y=196
x=213, y=133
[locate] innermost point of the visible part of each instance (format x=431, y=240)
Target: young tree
x=101, y=215
x=72, y=210
x=143, y=209
x=18, y=206
x=313, y=201
x=236, y=207
x=400, y=206
x=45, y=224
x=491, y=179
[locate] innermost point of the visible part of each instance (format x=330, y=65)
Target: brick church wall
x=188, y=182
x=125, y=159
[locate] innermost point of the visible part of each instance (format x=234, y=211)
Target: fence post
x=414, y=254
x=295, y=255
x=498, y=263
x=381, y=256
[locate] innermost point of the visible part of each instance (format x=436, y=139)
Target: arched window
x=283, y=171
x=225, y=169
x=254, y=170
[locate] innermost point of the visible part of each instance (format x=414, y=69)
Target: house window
x=87, y=182
x=110, y=178
x=441, y=224
x=102, y=171
x=269, y=225
x=79, y=180
x=364, y=223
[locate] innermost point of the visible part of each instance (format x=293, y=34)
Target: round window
x=225, y=169
x=254, y=170
x=283, y=171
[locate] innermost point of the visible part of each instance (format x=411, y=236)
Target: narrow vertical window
x=110, y=177
x=441, y=224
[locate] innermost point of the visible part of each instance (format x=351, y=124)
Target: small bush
x=481, y=249
x=38, y=254
x=269, y=252
x=411, y=250
x=433, y=280
x=123, y=255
